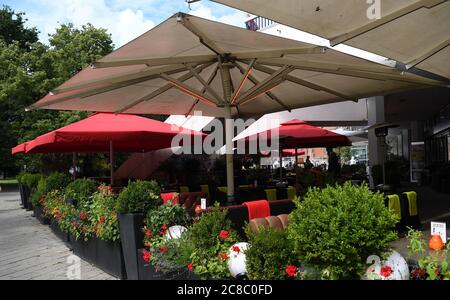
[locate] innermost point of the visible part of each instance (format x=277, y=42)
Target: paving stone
x=29, y=250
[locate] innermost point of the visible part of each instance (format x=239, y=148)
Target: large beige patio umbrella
x=189, y=64
x=413, y=32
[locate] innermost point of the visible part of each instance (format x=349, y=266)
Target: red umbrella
x=19, y=148
x=103, y=132
x=299, y=134
x=286, y=153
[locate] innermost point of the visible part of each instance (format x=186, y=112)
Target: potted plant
x=163, y=232
x=132, y=203
x=427, y=264
x=105, y=229
x=336, y=229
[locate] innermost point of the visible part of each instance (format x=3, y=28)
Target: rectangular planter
x=22, y=196
x=87, y=250
x=39, y=214
x=147, y=271
x=131, y=238
x=109, y=258
x=63, y=236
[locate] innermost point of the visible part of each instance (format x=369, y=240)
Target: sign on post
x=441, y=229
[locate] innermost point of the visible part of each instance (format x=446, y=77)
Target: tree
x=12, y=29
x=30, y=69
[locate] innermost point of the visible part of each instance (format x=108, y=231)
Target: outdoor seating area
x=153, y=170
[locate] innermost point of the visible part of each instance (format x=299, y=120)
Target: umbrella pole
x=296, y=168
x=74, y=165
x=229, y=153
x=281, y=164
x=111, y=161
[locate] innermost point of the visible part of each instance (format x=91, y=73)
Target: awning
x=413, y=32
x=127, y=133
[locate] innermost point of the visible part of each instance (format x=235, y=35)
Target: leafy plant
x=81, y=190
x=337, y=228
x=431, y=266
x=138, y=197
x=269, y=253
x=103, y=216
x=164, y=249
x=210, y=238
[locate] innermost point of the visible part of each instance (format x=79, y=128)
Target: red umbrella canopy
x=286, y=153
x=128, y=133
x=19, y=148
x=299, y=134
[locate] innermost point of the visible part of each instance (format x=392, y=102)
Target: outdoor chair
x=279, y=222
x=411, y=210
x=398, y=206
x=184, y=189
x=271, y=194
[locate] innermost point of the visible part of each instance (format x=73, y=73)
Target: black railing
x=258, y=23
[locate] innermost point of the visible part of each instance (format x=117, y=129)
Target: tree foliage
x=29, y=69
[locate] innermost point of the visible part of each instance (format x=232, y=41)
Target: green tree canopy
x=12, y=28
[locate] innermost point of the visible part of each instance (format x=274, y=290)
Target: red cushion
x=257, y=209
x=170, y=197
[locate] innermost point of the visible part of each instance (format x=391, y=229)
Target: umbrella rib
x=152, y=61
x=123, y=77
x=206, y=85
x=350, y=71
x=99, y=90
x=188, y=90
x=306, y=83
x=159, y=91
x=384, y=20
x=210, y=79
x=278, y=74
x=244, y=78
x=269, y=93
x=428, y=54
x=207, y=42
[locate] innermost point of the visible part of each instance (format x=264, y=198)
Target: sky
x=124, y=19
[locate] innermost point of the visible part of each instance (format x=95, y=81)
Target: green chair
x=184, y=189
x=205, y=188
x=223, y=189
x=412, y=211
x=271, y=194
x=291, y=192
x=394, y=204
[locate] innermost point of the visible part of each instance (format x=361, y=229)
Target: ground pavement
x=29, y=250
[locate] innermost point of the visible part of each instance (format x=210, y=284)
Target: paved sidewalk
x=29, y=250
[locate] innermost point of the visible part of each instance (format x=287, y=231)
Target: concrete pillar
x=375, y=115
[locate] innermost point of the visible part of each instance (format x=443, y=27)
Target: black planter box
x=109, y=258
x=63, y=236
x=25, y=196
x=87, y=250
x=22, y=196
x=147, y=271
x=39, y=215
x=131, y=238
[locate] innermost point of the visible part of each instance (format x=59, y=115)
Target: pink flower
x=148, y=233
x=83, y=216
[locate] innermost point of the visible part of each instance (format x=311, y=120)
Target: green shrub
x=29, y=180
x=56, y=181
x=167, y=215
x=103, y=216
x=210, y=239
x=269, y=253
x=81, y=190
x=337, y=228
x=139, y=197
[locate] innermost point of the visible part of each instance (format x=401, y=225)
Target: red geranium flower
x=190, y=266
x=224, y=234
x=223, y=256
x=163, y=249
x=102, y=220
x=386, y=271
x=148, y=233
x=236, y=249
x=147, y=255
x=83, y=216
x=418, y=273
x=164, y=227
x=291, y=270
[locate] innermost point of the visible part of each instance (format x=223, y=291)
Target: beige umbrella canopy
x=189, y=64
x=413, y=32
